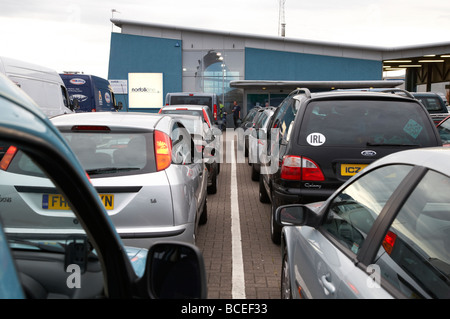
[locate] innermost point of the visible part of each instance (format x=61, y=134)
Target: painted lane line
x=238, y=280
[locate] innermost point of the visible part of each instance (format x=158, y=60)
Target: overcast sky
x=75, y=35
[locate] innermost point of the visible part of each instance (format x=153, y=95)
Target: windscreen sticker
x=413, y=128
x=315, y=139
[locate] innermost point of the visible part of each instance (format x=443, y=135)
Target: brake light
x=163, y=150
x=8, y=157
x=300, y=169
x=205, y=116
x=215, y=111
x=91, y=128
x=389, y=241
x=291, y=167
x=181, y=108
x=311, y=171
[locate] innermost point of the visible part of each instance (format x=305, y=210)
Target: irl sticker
x=315, y=139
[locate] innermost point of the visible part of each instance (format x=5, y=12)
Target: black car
x=318, y=141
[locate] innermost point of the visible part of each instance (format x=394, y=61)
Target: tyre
x=275, y=229
x=263, y=197
x=255, y=174
x=204, y=215
x=285, y=278
x=212, y=189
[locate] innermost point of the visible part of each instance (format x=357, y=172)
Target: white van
x=42, y=84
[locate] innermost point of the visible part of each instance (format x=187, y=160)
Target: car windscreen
x=365, y=123
x=194, y=100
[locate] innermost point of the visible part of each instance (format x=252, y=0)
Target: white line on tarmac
x=238, y=281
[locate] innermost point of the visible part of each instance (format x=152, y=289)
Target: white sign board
x=119, y=86
x=145, y=90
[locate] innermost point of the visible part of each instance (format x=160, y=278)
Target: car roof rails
x=397, y=90
x=306, y=91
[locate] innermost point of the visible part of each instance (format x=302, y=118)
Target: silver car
x=211, y=135
x=384, y=234
x=143, y=167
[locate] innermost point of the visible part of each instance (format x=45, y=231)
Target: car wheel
x=285, y=279
x=263, y=197
x=212, y=189
x=255, y=174
x=275, y=229
x=204, y=215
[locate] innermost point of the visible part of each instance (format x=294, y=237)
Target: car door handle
x=327, y=285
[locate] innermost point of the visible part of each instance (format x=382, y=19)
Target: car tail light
x=163, y=150
x=205, y=116
x=291, y=168
x=301, y=169
x=8, y=157
x=389, y=241
x=215, y=112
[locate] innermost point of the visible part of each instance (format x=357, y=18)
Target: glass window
x=353, y=211
x=366, y=123
x=113, y=153
x=256, y=100
x=444, y=132
x=46, y=238
x=416, y=250
x=181, y=146
x=211, y=71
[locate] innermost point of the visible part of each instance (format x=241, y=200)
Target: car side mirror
x=176, y=271
x=75, y=104
x=118, y=106
x=290, y=215
x=297, y=215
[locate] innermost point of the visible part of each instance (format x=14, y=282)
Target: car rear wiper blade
x=107, y=170
x=390, y=144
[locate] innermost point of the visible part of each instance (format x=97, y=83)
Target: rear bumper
x=145, y=237
x=285, y=196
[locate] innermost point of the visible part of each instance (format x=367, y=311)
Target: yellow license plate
x=351, y=169
x=58, y=202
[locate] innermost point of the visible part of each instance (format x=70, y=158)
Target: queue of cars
x=351, y=178
x=98, y=192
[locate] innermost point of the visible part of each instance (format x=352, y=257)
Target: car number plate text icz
x=58, y=202
x=351, y=169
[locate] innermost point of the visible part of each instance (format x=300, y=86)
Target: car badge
x=368, y=153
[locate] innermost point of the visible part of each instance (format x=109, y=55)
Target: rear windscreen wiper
x=390, y=144
x=107, y=170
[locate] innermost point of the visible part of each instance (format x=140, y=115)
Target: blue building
x=199, y=60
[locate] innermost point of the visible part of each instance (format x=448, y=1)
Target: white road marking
x=238, y=280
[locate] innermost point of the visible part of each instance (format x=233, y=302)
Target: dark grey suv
x=318, y=141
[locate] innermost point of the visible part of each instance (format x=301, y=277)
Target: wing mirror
x=176, y=271
x=297, y=215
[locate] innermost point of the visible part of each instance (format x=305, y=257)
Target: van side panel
x=42, y=84
x=94, y=94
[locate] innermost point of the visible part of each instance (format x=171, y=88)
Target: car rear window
x=433, y=104
x=107, y=153
x=195, y=100
x=365, y=123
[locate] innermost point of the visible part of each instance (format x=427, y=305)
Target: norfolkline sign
x=145, y=90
